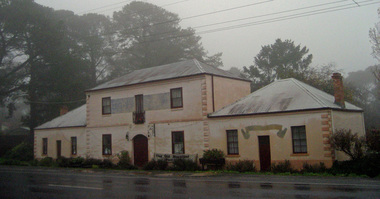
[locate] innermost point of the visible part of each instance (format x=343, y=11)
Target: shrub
x=89, y=162
x=46, y=162
x=106, y=164
x=315, y=168
x=156, y=165
x=63, y=162
x=125, y=161
x=282, y=167
x=351, y=144
x=213, y=154
x=76, y=162
x=369, y=165
x=242, y=166
x=184, y=165
x=21, y=152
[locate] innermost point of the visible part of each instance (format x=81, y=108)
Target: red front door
x=264, y=153
x=140, y=150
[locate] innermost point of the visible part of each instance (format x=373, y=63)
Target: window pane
x=178, y=143
x=176, y=97
x=232, y=142
x=299, y=139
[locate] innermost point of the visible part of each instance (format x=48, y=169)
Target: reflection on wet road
x=24, y=183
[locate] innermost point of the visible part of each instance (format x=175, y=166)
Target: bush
x=63, y=162
x=21, y=152
x=156, y=165
x=282, y=167
x=70, y=162
x=125, y=161
x=184, y=165
x=242, y=166
x=46, y=162
x=89, y=162
x=369, y=165
x=213, y=154
x=315, y=168
x=106, y=164
x=351, y=144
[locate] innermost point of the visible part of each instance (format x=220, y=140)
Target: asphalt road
x=30, y=182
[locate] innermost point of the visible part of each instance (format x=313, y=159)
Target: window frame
x=104, y=106
x=44, y=146
x=74, y=145
x=104, y=145
x=232, y=150
x=172, y=99
x=174, y=143
x=139, y=103
x=297, y=129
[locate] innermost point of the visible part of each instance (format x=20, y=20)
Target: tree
x=36, y=62
x=280, y=60
x=148, y=35
x=374, y=35
x=351, y=144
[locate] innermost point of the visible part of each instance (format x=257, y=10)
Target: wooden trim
x=237, y=135
x=183, y=136
x=104, y=135
x=171, y=98
x=106, y=98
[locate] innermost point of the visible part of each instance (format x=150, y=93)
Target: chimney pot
x=338, y=89
x=63, y=110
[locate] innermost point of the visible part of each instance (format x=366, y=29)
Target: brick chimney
x=63, y=110
x=338, y=89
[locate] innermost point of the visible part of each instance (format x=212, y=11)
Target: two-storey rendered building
x=188, y=107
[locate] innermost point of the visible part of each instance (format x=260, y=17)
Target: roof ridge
x=199, y=66
x=302, y=87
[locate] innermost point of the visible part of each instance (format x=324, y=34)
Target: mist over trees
x=48, y=58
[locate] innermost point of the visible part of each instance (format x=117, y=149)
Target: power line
x=109, y=5
x=62, y=102
x=259, y=16
x=309, y=13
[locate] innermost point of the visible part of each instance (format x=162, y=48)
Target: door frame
x=146, y=154
x=59, y=148
x=265, y=167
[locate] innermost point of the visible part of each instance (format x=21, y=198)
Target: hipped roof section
x=74, y=118
x=285, y=95
x=168, y=71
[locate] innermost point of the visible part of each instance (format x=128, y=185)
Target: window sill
x=177, y=109
x=299, y=154
x=107, y=155
x=106, y=115
x=233, y=156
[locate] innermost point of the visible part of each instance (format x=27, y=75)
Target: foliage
x=368, y=165
x=156, y=165
x=315, y=168
x=213, y=154
x=242, y=166
x=21, y=152
x=46, y=162
x=282, y=167
x=144, y=29
x=106, y=164
x=184, y=165
x=89, y=162
x=373, y=140
x=70, y=162
x=124, y=161
x=350, y=144
x=280, y=60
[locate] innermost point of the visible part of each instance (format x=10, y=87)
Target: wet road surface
x=27, y=182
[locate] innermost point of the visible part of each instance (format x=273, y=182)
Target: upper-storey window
x=106, y=105
x=299, y=139
x=139, y=103
x=176, y=98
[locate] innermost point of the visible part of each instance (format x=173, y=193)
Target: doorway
x=140, y=150
x=59, y=148
x=264, y=153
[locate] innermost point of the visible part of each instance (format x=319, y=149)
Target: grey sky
x=340, y=36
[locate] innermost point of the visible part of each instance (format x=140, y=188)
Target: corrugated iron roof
x=282, y=96
x=74, y=118
x=168, y=71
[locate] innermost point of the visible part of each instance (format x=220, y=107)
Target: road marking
x=77, y=187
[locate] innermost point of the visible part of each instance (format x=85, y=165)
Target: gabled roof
x=74, y=118
x=282, y=96
x=168, y=71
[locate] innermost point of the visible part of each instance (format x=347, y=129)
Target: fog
x=334, y=31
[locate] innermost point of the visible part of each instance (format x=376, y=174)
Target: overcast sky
x=336, y=35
